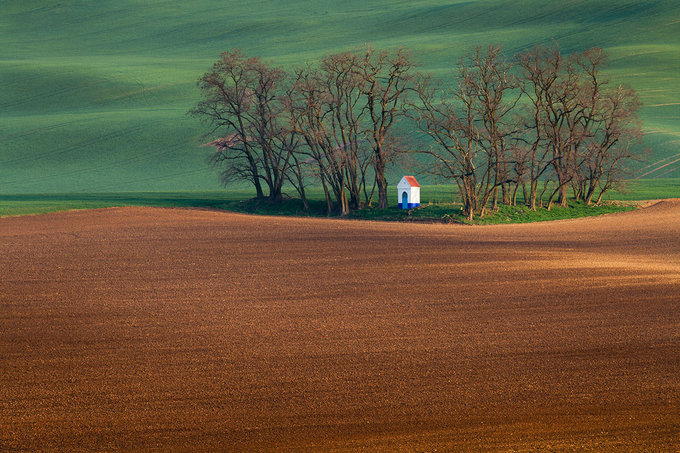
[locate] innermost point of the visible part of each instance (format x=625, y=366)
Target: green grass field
x=94, y=94
x=438, y=203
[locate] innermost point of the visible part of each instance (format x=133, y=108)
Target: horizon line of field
x=633, y=190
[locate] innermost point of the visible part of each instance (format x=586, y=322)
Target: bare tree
x=388, y=79
x=446, y=116
x=487, y=79
x=520, y=157
x=540, y=70
x=241, y=101
x=471, y=128
x=613, y=144
x=575, y=125
x=342, y=83
x=300, y=175
x=327, y=106
x=310, y=106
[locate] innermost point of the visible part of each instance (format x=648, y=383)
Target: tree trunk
x=591, y=191
x=275, y=194
x=507, y=199
x=382, y=193
x=469, y=213
x=369, y=198
x=329, y=201
x=533, y=189
x=303, y=197
x=514, y=195
x=381, y=181
x=589, y=197
x=354, y=200
x=563, y=200
x=344, y=203
x=258, y=188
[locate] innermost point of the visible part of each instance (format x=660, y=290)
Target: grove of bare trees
x=539, y=126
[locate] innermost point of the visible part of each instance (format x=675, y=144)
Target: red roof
x=412, y=181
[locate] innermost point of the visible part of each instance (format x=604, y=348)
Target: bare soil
x=174, y=329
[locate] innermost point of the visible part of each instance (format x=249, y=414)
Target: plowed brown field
x=157, y=329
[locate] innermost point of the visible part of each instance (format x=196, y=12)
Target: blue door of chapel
x=404, y=200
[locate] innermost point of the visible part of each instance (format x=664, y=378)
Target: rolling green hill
x=94, y=95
